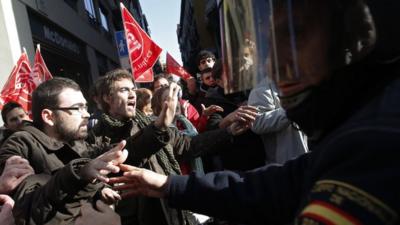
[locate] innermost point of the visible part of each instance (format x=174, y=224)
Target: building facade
x=198, y=29
x=76, y=36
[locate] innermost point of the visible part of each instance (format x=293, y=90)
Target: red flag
x=147, y=76
x=19, y=85
x=40, y=72
x=143, y=52
x=174, y=68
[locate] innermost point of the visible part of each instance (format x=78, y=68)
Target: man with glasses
x=54, y=145
x=121, y=120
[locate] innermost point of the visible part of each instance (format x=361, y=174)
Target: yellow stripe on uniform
x=328, y=214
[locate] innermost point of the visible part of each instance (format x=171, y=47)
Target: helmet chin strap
x=389, y=61
x=327, y=105
x=292, y=101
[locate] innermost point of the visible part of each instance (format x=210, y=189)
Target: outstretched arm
x=266, y=195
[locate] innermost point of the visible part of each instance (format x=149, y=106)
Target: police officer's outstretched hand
x=140, y=182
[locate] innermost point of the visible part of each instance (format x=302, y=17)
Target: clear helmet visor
x=284, y=39
x=299, y=56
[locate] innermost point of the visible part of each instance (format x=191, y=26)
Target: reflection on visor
x=283, y=42
x=300, y=55
x=244, y=43
x=264, y=37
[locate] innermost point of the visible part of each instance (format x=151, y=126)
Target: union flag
x=19, y=85
x=174, y=68
x=143, y=52
x=40, y=71
x=23, y=81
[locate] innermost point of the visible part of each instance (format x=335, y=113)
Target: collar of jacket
x=112, y=122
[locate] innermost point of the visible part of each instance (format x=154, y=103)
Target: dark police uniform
x=351, y=177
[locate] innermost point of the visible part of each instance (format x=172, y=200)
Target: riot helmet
x=327, y=58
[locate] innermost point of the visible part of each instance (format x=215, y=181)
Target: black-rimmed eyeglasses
x=81, y=109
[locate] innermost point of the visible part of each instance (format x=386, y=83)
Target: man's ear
x=360, y=31
x=106, y=98
x=48, y=117
x=219, y=82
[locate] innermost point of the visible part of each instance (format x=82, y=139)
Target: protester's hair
x=8, y=107
x=204, y=54
x=157, y=101
x=143, y=98
x=206, y=70
x=95, y=93
x=45, y=96
x=156, y=78
x=105, y=85
x=217, y=70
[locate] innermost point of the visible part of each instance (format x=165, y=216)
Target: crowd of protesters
x=54, y=169
x=140, y=157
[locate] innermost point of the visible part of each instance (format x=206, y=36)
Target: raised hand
x=109, y=196
x=104, y=164
x=139, y=181
x=245, y=114
x=169, y=107
x=211, y=109
x=238, y=128
x=15, y=171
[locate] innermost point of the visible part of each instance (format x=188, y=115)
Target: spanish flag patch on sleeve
x=334, y=202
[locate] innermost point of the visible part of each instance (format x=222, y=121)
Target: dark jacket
x=176, y=148
x=53, y=194
x=247, y=151
x=351, y=176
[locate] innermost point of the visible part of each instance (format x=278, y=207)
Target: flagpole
x=121, y=5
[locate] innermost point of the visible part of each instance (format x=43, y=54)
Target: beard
x=67, y=133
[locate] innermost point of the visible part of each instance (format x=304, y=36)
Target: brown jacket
x=53, y=194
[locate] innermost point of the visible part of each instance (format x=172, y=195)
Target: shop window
x=102, y=64
x=103, y=19
x=89, y=7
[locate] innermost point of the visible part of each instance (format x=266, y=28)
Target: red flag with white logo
x=174, y=68
x=40, y=71
x=19, y=85
x=143, y=52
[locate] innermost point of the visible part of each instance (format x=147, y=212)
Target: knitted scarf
x=167, y=161
x=165, y=157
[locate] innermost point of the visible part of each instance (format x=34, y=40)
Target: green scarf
x=165, y=157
